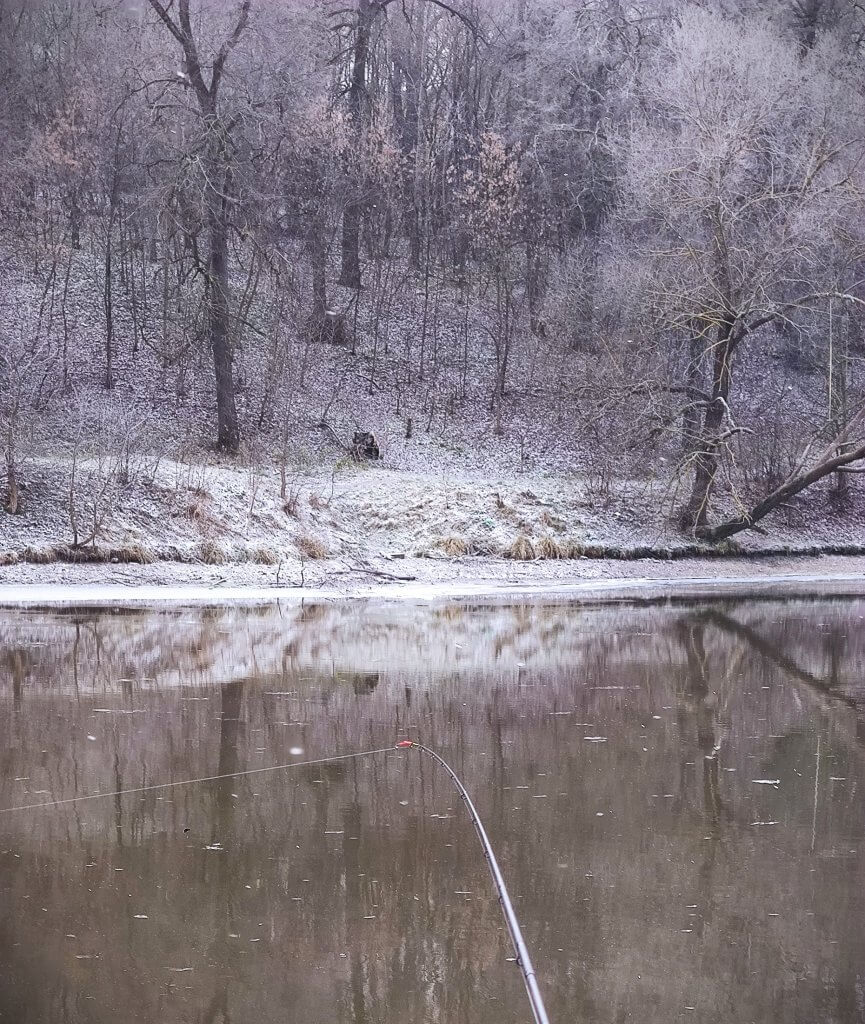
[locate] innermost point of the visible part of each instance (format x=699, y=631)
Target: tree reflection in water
x=611, y=750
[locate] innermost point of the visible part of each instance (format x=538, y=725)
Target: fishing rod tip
x=405, y=743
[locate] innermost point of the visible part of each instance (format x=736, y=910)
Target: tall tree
x=738, y=182
x=218, y=190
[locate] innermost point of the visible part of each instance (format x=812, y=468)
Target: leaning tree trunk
x=830, y=462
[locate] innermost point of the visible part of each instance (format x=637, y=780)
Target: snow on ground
x=487, y=580
x=215, y=513
x=457, y=488
x=359, y=528
x=493, y=582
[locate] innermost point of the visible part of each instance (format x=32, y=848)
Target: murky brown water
x=656, y=880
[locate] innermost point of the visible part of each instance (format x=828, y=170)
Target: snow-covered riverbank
x=425, y=580
x=360, y=530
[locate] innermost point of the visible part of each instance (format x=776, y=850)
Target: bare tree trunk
x=535, y=289
x=351, y=218
x=12, y=492
x=108, y=303
x=695, y=513
x=405, y=93
x=318, y=254
x=838, y=407
x=807, y=16
x=352, y=215
x=228, y=429
x=75, y=225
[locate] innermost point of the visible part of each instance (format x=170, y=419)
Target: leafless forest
x=622, y=243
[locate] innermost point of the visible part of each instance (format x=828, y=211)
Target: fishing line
x=522, y=953
x=192, y=782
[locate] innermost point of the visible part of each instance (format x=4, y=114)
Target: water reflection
x=623, y=759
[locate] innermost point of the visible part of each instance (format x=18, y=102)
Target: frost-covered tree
x=740, y=173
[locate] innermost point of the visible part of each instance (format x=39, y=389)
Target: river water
x=675, y=793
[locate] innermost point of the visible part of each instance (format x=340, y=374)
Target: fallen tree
x=846, y=448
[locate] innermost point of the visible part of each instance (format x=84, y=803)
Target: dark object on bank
x=364, y=446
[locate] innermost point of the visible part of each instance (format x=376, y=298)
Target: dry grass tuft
x=136, y=553
x=263, y=555
x=522, y=550
x=209, y=552
x=576, y=549
x=83, y=555
x=311, y=547
x=455, y=547
x=39, y=556
x=549, y=547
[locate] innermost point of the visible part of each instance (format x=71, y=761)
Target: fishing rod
x=522, y=954
x=523, y=959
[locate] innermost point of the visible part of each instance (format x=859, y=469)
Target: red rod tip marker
x=405, y=743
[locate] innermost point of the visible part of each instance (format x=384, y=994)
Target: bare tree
x=217, y=152
x=735, y=181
